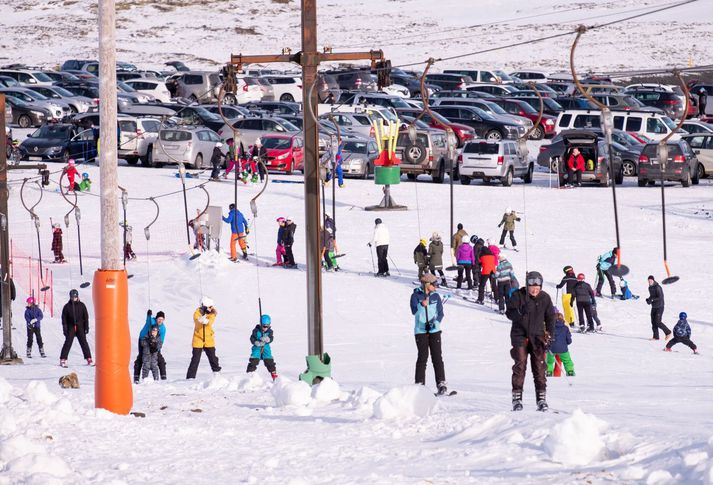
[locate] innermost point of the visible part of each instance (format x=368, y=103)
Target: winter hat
x=207, y=302
x=30, y=300
x=160, y=315
x=580, y=277
x=460, y=226
x=154, y=327
x=73, y=293
x=231, y=206
x=682, y=316
x=218, y=145
x=85, y=175
x=473, y=239
x=435, y=237
x=534, y=278
x=651, y=277
x=423, y=241
x=280, y=219
x=508, y=210
x=428, y=278
x=377, y=220
x=289, y=219
x=265, y=320
x=56, y=225
x=70, y=161
x=567, y=269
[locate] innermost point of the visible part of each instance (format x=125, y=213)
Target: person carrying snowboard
x=560, y=347
x=158, y=322
x=533, y=322
x=33, y=319
x=605, y=265
x=435, y=257
x=682, y=334
x=57, y=243
x=261, y=338
x=508, y=221
x=288, y=241
x=238, y=232
x=75, y=323
x=504, y=277
x=380, y=239
x=583, y=295
x=656, y=300
x=150, y=348
x=280, y=248
x=420, y=257
x=568, y=280
x=203, y=337
x=427, y=309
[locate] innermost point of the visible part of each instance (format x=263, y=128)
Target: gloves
x=33, y=321
x=259, y=343
x=149, y=313
x=265, y=339
x=648, y=301
x=203, y=320
x=368, y=244
x=500, y=224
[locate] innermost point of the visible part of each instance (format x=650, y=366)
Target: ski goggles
x=534, y=282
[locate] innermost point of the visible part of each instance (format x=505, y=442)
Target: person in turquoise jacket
x=151, y=321
x=261, y=338
x=427, y=309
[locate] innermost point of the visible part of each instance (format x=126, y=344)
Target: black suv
x=670, y=103
x=682, y=165
x=485, y=125
x=354, y=80
x=449, y=81
x=58, y=143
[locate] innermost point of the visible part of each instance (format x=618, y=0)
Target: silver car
x=191, y=146
x=357, y=123
x=493, y=161
x=57, y=108
x=253, y=128
x=358, y=155
x=77, y=103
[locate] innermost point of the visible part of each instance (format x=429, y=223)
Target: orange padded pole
x=113, y=342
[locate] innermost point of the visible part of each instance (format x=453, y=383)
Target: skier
x=605, y=264
x=232, y=158
x=203, y=337
x=337, y=168
x=583, y=295
x=33, y=319
x=488, y=264
x=682, y=334
x=329, y=250
x=504, y=276
x=509, y=219
x=465, y=258
x=427, y=308
x=420, y=257
x=569, y=280
x=656, y=300
x=86, y=184
x=380, y=239
x=150, y=347
x=258, y=154
x=288, y=240
x=57, y=243
x=435, y=257
x=215, y=160
x=533, y=321
x=457, y=239
x=128, y=252
x=75, y=323
x=575, y=167
x=71, y=172
x=261, y=338
x=238, y=232
x=559, y=347
x=159, y=322
x=280, y=248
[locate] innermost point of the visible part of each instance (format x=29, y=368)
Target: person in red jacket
x=488, y=265
x=575, y=167
x=72, y=172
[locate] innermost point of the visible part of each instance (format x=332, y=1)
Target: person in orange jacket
x=203, y=337
x=575, y=167
x=488, y=265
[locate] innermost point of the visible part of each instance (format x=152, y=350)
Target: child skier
x=151, y=322
x=681, y=334
x=261, y=338
x=71, y=172
x=85, y=185
x=583, y=295
x=508, y=220
x=420, y=257
x=57, y=243
x=329, y=250
x=33, y=318
x=128, y=252
x=150, y=347
x=559, y=347
x=280, y=248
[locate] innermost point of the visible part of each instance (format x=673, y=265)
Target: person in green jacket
x=509, y=219
x=85, y=185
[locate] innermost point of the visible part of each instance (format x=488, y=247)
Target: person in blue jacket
x=33, y=318
x=682, y=334
x=261, y=338
x=238, y=232
x=427, y=309
x=150, y=322
x=559, y=347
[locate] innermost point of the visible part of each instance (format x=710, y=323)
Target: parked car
x=232, y=112
x=549, y=106
x=358, y=123
x=358, y=155
x=327, y=87
x=427, y=155
x=267, y=90
x=459, y=93
x=91, y=91
x=75, y=64
x=136, y=135
x=463, y=132
x=65, y=77
x=376, y=99
x=573, y=102
x=253, y=128
x=353, y=80
x=693, y=126
x=58, y=109
x=58, y=142
x=491, y=108
x=192, y=146
x=522, y=109
x=194, y=115
x=77, y=103
x=82, y=75
x=702, y=145
x=449, y=81
x=25, y=115
x=624, y=102
x=28, y=77
x=204, y=87
x=276, y=107
x=285, y=153
x=655, y=126
x=682, y=164
x=489, y=161
x=286, y=88
x=495, y=89
x=534, y=76
x=483, y=76
x=153, y=87
x=413, y=84
x=484, y=124
x=8, y=82
x=596, y=158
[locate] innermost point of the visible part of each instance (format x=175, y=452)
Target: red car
x=285, y=153
x=463, y=133
x=522, y=108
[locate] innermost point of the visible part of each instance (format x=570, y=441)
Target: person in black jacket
x=288, y=239
x=583, y=294
x=569, y=280
x=533, y=323
x=656, y=301
x=13, y=295
x=75, y=323
x=215, y=160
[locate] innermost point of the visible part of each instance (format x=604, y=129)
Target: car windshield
x=37, y=96
x=355, y=146
x=495, y=108
x=17, y=102
x=628, y=138
x=205, y=114
x=289, y=126
x=552, y=104
x=42, y=77
x=527, y=108
x=481, y=148
x=277, y=143
x=632, y=101
x=63, y=92
x=175, y=135
x=125, y=87
x=52, y=131
x=503, y=76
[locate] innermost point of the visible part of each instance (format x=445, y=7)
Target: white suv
x=653, y=125
x=35, y=78
x=286, y=88
x=487, y=161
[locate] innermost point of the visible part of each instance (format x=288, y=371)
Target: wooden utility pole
x=310, y=59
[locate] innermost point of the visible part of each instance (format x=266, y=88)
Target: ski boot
x=599, y=328
x=570, y=373
x=245, y=255
x=63, y=363
x=541, y=401
x=442, y=389
x=136, y=379
x=517, y=400
x=341, y=186
x=696, y=352
x=90, y=361
x=666, y=349
x=548, y=373
x=42, y=352
x=582, y=329
x=274, y=376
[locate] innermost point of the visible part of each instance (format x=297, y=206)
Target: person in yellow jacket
x=568, y=282
x=203, y=337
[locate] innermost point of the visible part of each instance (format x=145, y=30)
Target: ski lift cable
x=36, y=220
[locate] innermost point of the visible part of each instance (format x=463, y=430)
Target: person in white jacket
x=381, y=241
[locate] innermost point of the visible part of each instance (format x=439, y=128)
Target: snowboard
x=448, y=394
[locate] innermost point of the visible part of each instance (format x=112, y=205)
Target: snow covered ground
x=633, y=414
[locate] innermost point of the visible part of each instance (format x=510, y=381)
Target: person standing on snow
x=380, y=239
x=505, y=279
x=533, y=322
x=57, y=243
x=559, y=347
x=583, y=295
x=71, y=172
x=569, y=280
x=261, y=338
x=203, y=337
x=457, y=240
x=656, y=300
x=465, y=259
x=150, y=322
x=238, y=232
x=258, y=155
x=435, y=257
x=682, y=334
x=288, y=241
x=488, y=264
x=420, y=257
x=702, y=101
x=33, y=319
x=280, y=248
x=605, y=264
x=150, y=348
x=75, y=323
x=509, y=219
x=215, y=160
x=427, y=309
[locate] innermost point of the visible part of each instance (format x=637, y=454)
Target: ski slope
x=633, y=414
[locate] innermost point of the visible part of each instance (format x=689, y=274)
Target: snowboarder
x=75, y=323
x=435, y=257
x=57, y=243
x=509, y=219
x=280, y=248
x=488, y=264
x=575, y=167
x=559, y=347
x=159, y=322
x=288, y=241
x=203, y=337
x=427, y=308
x=583, y=295
x=420, y=257
x=533, y=320
x=86, y=184
x=150, y=348
x=215, y=160
x=71, y=172
x=605, y=264
x=682, y=334
x=33, y=319
x=505, y=278
x=128, y=252
x=380, y=239
x=569, y=280
x=238, y=232
x=656, y=300
x=465, y=258
x=261, y=338
x=329, y=250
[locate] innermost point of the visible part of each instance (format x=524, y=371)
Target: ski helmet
x=682, y=316
x=480, y=241
x=567, y=269
x=377, y=220
x=580, y=277
x=30, y=300
x=231, y=206
x=207, y=302
x=280, y=219
x=473, y=239
x=423, y=241
x=73, y=293
x=534, y=278
x=265, y=320
x=85, y=175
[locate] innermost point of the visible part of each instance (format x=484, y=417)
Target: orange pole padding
x=113, y=342
x=618, y=258
x=668, y=271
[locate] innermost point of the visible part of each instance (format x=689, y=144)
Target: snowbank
x=326, y=391
x=405, y=402
x=5, y=391
x=576, y=440
x=288, y=393
x=363, y=398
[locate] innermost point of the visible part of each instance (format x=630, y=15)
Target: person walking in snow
x=238, y=232
x=33, y=319
x=605, y=265
x=280, y=248
x=583, y=295
x=656, y=300
x=57, y=243
x=682, y=334
x=75, y=323
x=427, y=309
x=568, y=281
x=215, y=161
x=150, y=348
x=533, y=322
x=457, y=240
x=488, y=264
x=465, y=259
x=203, y=337
x=261, y=338
x=559, y=348
x=505, y=279
x=288, y=241
x=158, y=322
x=508, y=221
x=435, y=257
x=380, y=239
x=420, y=257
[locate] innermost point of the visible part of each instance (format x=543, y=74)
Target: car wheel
x=199, y=161
x=554, y=164
x=652, y=182
x=507, y=179
x=192, y=98
x=486, y=180
x=73, y=109
x=132, y=160
x=24, y=121
x=619, y=178
x=686, y=180
x=493, y=135
x=642, y=182
x=464, y=180
x=529, y=175
x=287, y=97
x=411, y=176
x=629, y=168
x=700, y=172
x=147, y=159
x=538, y=133
x=290, y=168
x=230, y=99
x=440, y=175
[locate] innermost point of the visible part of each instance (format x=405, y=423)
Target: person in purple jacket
x=33, y=318
x=465, y=258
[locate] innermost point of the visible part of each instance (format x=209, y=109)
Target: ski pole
x=397, y=269
x=371, y=251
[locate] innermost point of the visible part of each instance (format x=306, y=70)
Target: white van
x=652, y=125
